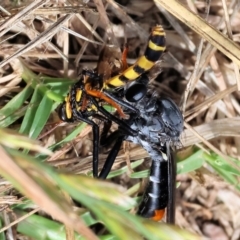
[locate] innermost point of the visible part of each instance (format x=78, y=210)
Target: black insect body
x=160, y=120
x=154, y=123
x=159, y=126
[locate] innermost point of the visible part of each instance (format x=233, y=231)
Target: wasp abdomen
x=155, y=48
x=156, y=195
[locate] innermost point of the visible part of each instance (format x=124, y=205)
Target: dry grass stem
x=199, y=71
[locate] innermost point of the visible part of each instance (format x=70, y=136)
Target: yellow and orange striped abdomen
x=153, y=52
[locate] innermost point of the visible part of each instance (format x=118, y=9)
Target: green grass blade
x=5, y=122
x=140, y=174
x=167, y=232
x=11, y=139
x=46, y=90
x=15, y=103
x=39, y=228
x=224, y=169
x=109, y=237
x=69, y=137
x=2, y=235
x=42, y=114
x=30, y=113
x=191, y=163
x=124, y=169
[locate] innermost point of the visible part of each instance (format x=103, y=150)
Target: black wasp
x=159, y=126
x=154, y=123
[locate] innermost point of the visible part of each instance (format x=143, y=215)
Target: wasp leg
x=171, y=188
x=104, y=139
x=111, y=158
x=124, y=57
x=117, y=137
x=101, y=95
x=113, y=153
x=122, y=103
x=111, y=117
x=95, y=139
x=126, y=147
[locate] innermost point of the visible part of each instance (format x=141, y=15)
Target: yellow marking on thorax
x=78, y=95
x=68, y=108
x=92, y=108
x=105, y=86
